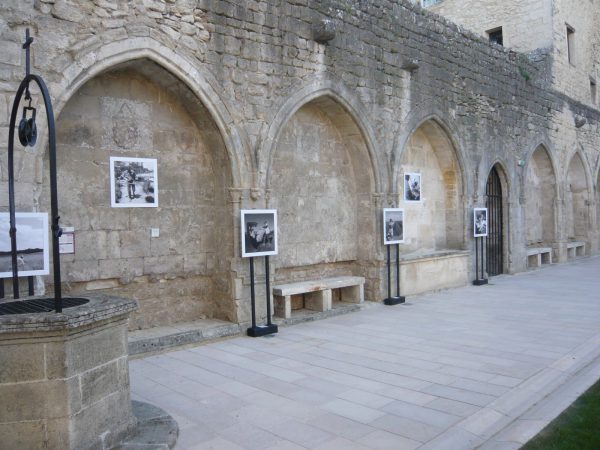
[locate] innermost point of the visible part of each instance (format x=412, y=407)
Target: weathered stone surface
x=236, y=98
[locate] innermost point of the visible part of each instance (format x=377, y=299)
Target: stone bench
x=575, y=249
x=317, y=294
x=536, y=256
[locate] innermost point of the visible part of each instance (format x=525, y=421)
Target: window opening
x=593, y=91
x=495, y=36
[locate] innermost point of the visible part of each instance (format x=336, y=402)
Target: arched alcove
x=576, y=200
x=138, y=109
x=321, y=185
x=540, y=198
x=437, y=221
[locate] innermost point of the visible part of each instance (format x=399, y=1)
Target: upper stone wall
x=526, y=26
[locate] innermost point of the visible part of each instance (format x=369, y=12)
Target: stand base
x=394, y=300
x=480, y=282
x=262, y=330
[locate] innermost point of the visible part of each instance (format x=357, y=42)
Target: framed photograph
x=259, y=232
x=32, y=244
x=480, y=222
x=393, y=226
x=133, y=182
x=412, y=187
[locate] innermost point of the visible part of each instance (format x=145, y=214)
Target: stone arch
x=139, y=109
x=577, y=199
x=321, y=176
x=201, y=83
x=446, y=129
x=540, y=192
x=350, y=108
x=437, y=223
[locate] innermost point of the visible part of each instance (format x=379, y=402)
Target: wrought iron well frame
x=56, y=230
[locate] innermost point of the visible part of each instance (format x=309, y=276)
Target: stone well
x=64, y=378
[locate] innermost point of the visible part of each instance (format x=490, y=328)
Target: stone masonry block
x=101, y=381
x=66, y=359
x=21, y=362
x=318, y=301
x=35, y=400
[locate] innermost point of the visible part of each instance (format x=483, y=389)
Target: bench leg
x=318, y=301
x=283, y=306
x=352, y=294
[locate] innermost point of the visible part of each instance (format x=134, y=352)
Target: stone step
x=158, y=339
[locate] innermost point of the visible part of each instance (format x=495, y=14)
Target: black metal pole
x=268, y=288
x=476, y=258
x=482, y=258
x=252, y=298
x=389, y=273
x=397, y=270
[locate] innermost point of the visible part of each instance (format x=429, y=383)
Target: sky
x=30, y=232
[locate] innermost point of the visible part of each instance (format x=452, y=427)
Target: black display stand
x=398, y=298
x=269, y=328
x=479, y=263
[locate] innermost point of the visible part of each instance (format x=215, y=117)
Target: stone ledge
x=100, y=307
x=163, y=338
x=433, y=255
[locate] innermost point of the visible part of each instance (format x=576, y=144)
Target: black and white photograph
x=133, y=182
x=259, y=232
x=393, y=226
x=412, y=187
x=32, y=244
x=480, y=222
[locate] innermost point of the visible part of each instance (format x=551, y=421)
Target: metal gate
x=493, y=192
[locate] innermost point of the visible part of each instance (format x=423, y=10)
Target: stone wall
x=540, y=24
x=573, y=78
x=525, y=25
x=244, y=109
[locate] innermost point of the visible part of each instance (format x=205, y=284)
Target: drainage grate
x=38, y=305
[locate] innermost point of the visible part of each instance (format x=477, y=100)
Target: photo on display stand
x=259, y=232
x=480, y=222
x=32, y=244
x=393, y=226
x=412, y=187
x=133, y=182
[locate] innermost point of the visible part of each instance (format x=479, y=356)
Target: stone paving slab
x=471, y=367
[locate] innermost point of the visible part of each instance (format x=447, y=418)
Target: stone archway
x=321, y=185
x=437, y=223
x=139, y=109
x=540, y=200
x=577, y=199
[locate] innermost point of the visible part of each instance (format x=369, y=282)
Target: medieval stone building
x=316, y=109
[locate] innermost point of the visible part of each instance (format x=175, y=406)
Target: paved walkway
x=475, y=367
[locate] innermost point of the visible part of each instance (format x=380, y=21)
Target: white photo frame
x=480, y=222
x=393, y=226
x=33, y=257
x=133, y=182
x=259, y=232
x=412, y=187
